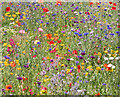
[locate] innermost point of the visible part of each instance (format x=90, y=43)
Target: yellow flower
x=82, y=63
x=86, y=74
x=55, y=44
x=48, y=57
x=116, y=51
x=24, y=13
x=61, y=44
x=18, y=64
x=23, y=52
x=17, y=13
x=111, y=70
x=4, y=44
x=98, y=68
x=11, y=19
x=26, y=40
x=9, y=15
x=106, y=52
x=44, y=80
x=18, y=68
x=57, y=49
x=40, y=24
x=47, y=79
x=72, y=17
x=62, y=65
x=1, y=62
x=17, y=61
x=16, y=21
x=46, y=75
x=82, y=67
x=98, y=22
x=55, y=34
x=6, y=60
x=112, y=51
x=1, y=68
x=68, y=37
x=11, y=73
x=99, y=54
x=24, y=17
x=75, y=67
x=64, y=34
x=14, y=15
x=71, y=74
x=9, y=45
x=27, y=10
x=62, y=58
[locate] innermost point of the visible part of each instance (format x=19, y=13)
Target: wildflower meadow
x=60, y=48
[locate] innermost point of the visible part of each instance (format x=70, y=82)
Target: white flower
x=117, y=58
x=71, y=59
x=79, y=91
x=112, y=66
x=105, y=58
x=111, y=58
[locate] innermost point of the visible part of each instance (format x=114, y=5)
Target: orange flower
x=8, y=87
x=56, y=38
x=49, y=36
x=12, y=64
x=106, y=65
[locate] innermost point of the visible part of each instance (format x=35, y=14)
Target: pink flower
x=11, y=39
x=8, y=50
x=40, y=30
x=12, y=91
x=30, y=90
x=22, y=31
x=31, y=93
x=34, y=56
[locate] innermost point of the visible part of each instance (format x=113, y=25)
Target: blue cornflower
x=86, y=33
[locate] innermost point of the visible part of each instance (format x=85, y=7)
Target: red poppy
x=78, y=66
x=91, y=3
x=45, y=10
x=58, y=2
x=113, y=8
x=34, y=56
x=12, y=64
x=118, y=26
x=23, y=89
x=97, y=94
x=70, y=84
x=49, y=36
x=59, y=41
x=8, y=9
x=114, y=4
x=110, y=2
x=87, y=13
x=51, y=42
x=74, y=52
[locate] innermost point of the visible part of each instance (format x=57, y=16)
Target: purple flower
x=80, y=57
x=51, y=60
x=92, y=57
x=82, y=53
x=38, y=83
x=26, y=66
x=19, y=78
x=104, y=84
x=68, y=59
